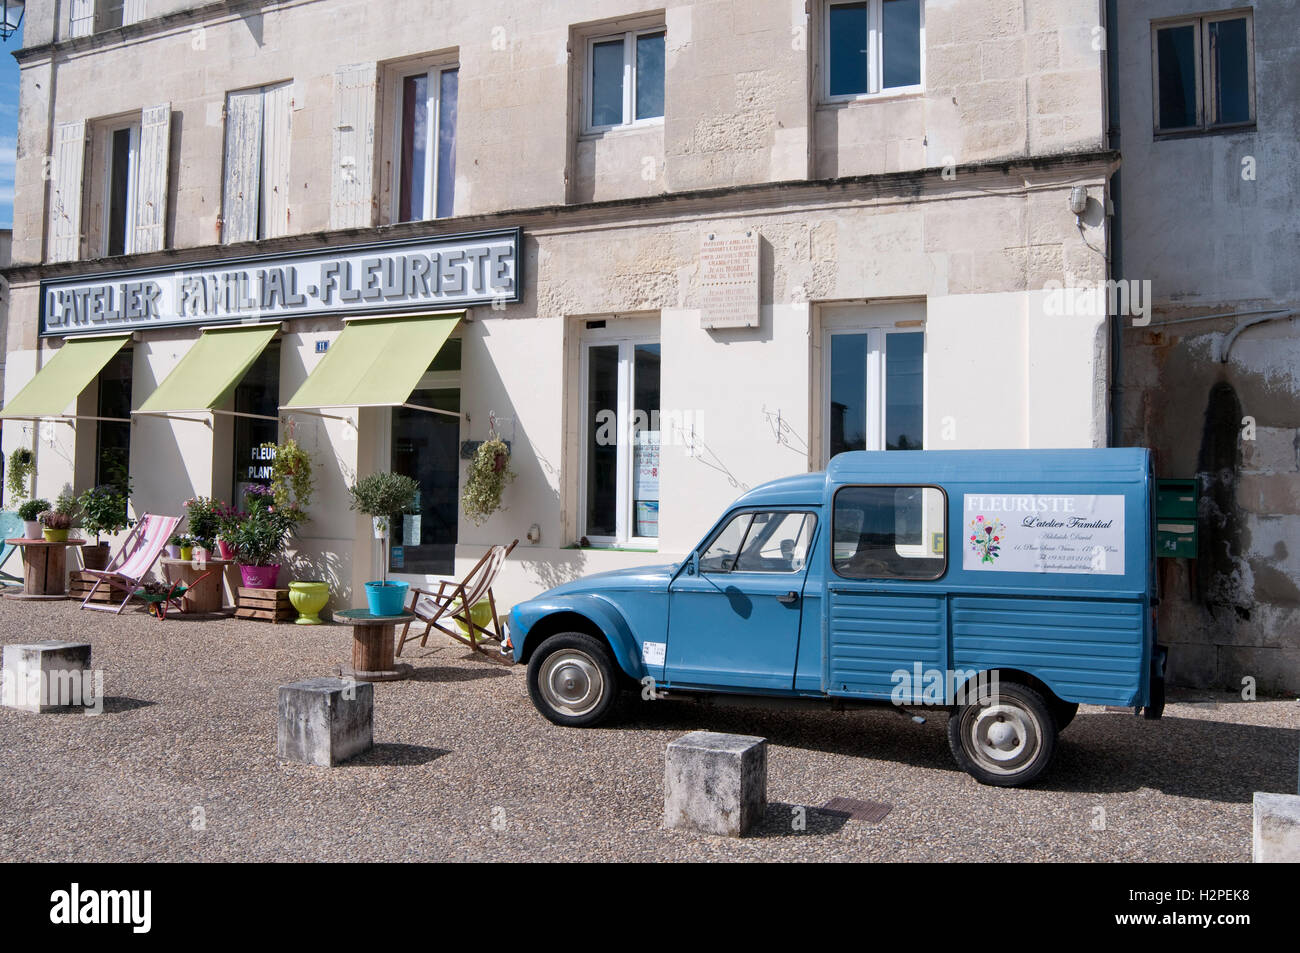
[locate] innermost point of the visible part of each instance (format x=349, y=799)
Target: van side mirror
x=693, y=564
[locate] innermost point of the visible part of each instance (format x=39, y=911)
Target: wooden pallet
x=80, y=584
x=265, y=605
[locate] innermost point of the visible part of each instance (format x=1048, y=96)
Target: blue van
x=1006, y=587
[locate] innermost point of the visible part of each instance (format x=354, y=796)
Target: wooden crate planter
x=80, y=584
x=265, y=605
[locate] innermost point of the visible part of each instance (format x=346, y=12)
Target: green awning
x=61, y=381
x=210, y=370
x=375, y=363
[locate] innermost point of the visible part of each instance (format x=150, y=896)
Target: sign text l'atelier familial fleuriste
x=449, y=272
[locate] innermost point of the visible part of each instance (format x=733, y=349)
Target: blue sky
x=8, y=125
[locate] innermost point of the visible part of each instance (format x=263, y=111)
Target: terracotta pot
x=95, y=556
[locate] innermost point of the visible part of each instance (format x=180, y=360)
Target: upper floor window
x=255, y=190
x=89, y=16
x=121, y=189
x=873, y=47
x=625, y=79
x=1204, y=72
x=426, y=155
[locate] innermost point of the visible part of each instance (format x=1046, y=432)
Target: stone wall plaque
x=729, y=280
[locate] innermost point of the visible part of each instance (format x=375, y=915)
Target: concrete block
x=46, y=676
x=1277, y=828
x=715, y=783
x=325, y=721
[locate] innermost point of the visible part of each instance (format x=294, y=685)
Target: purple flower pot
x=259, y=577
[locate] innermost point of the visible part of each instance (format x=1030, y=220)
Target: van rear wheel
x=572, y=680
x=1007, y=741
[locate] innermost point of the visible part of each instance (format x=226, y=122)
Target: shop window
x=255, y=190
x=624, y=79
x=120, y=189
x=426, y=447
x=889, y=532
x=621, y=439
x=426, y=154
x=873, y=47
x=113, y=436
x=258, y=392
x=875, y=389
x=1204, y=72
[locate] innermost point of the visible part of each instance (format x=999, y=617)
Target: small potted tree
x=381, y=496
x=104, y=511
x=30, y=513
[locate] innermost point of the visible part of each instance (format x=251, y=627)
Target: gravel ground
x=465, y=769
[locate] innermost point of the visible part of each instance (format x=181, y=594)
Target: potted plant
x=174, y=547
x=186, y=547
x=485, y=479
x=259, y=540
x=22, y=466
x=104, y=511
x=228, y=520
x=30, y=513
x=56, y=522
x=204, y=521
x=382, y=496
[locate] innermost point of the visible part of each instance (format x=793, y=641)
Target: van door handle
x=789, y=598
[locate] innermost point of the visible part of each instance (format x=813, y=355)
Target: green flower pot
x=56, y=535
x=309, y=598
x=187, y=552
x=481, y=614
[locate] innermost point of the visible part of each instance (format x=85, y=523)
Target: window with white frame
x=426, y=144
x=122, y=171
x=624, y=79
x=1203, y=72
x=620, y=436
x=873, y=381
x=872, y=47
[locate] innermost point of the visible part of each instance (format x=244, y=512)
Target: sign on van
x=1028, y=533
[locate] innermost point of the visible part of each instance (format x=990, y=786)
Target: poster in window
x=647, y=518
x=645, y=466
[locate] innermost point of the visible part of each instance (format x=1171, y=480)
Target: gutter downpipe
x=1114, y=233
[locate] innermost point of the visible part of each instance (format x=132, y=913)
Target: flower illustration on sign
x=986, y=537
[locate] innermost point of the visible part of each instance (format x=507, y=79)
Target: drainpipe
x=1114, y=234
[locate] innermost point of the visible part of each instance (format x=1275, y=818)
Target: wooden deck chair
x=127, y=569
x=11, y=527
x=454, y=603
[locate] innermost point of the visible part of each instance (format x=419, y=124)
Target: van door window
x=761, y=542
x=889, y=532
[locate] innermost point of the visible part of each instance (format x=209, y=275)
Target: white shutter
x=277, y=105
x=65, y=191
x=151, y=178
x=239, y=197
x=81, y=17
x=132, y=11
x=352, y=189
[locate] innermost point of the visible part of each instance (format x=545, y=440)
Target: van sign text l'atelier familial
x=424, y=274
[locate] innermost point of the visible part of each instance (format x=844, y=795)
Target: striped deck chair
x=11, y=527
x=454, y=602
x=133, y=561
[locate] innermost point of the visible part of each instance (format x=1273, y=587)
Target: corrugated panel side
x=1087, y=651
x=874, y=634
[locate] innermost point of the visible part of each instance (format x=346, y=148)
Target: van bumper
x=1156, y=705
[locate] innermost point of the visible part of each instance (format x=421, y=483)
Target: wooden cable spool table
x=45, y=568
x=201, y=595
x=372, y=646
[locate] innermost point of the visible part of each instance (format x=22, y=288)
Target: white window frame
x=433, y=103
x=1204, y=74
x=627, y=340
x=629, y=81
x=132, y=184
x=851, y=321
x=875, y=56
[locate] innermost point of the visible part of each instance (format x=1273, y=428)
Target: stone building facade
x=911, y=184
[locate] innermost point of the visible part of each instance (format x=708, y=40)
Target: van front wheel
x=572, y=680
x=1007, y=741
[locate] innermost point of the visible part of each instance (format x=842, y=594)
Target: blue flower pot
x=387, y=599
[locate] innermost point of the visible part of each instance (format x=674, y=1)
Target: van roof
x=1114, y=465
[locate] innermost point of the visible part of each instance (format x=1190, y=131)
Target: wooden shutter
x=240, y=188
x=132, y=11
x=151, y=178
x=81, y=18
x=65, y=191
x=277, y=110
x=352, y=200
